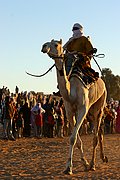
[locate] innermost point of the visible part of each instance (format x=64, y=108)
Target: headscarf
x=77, y=33
x=77, y=30
x=37, y=108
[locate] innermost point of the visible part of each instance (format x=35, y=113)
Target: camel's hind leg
x=102, y=156
x=80, y=147
x=95, y=140
x=97, y=110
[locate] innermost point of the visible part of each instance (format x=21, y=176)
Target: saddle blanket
x=82, y=75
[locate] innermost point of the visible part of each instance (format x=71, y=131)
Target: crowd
x=33, y=114
x=112, y=117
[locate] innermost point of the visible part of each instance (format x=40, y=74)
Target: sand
x=32, y=158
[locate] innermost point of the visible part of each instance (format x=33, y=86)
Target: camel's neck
x=63, y=83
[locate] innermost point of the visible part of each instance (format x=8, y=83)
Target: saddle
x=86, y=75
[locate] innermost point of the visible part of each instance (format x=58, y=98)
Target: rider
x=82, y=46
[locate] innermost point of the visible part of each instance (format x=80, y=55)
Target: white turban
x=77, y=33
x=77, y=30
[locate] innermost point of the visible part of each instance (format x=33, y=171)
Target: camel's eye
x=45, y=45
x=56, y=45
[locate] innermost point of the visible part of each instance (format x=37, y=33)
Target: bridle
x=61, y=56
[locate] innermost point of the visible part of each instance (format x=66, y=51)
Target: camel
x=78, y=101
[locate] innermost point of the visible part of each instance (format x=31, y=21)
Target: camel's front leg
x=80, y=147
x=72, y=121
x=68, y=169
x=73, y=139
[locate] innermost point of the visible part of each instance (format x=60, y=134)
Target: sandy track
x=31, y=158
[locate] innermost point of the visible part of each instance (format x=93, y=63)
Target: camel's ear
x=60, y=41
x=52, y=40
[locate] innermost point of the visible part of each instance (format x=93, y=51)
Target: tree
x=112, y=84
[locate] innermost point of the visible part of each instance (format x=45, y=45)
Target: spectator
x=25, y=110
x=20, y=125
x=15, y=117
x=8, y=114
x=117, y=127
x=48, y=108
x=39, y=122
x=51, y=123
x=60, y=119
x=16, y=90
x=113, y=119
x=108, y=119
x=34, y=112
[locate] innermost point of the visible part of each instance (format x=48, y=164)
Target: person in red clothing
x=39, y=122
x=51, y=123
x=117, y=127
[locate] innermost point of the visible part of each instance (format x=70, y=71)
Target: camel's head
x=53, y=49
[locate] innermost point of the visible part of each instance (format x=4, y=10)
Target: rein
x=53, y=56
x=43, y=73
x=98, y=56
x=61, y=71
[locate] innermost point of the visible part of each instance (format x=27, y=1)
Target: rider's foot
x=96, y=75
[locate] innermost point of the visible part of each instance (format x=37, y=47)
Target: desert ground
x=32, y=158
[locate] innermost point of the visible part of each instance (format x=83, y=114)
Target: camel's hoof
x=92, y=167
x=86, y=164
x=68, y=171
x=105, y=159
x=87, y=167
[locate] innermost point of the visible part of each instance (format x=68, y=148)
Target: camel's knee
x=101, y=138
x=72, y=140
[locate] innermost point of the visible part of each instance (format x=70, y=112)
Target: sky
x=26, y=25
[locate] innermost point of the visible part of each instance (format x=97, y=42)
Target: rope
x=98, y=56
x=41, y=74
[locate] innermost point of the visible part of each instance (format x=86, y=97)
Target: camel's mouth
x=45, y=49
